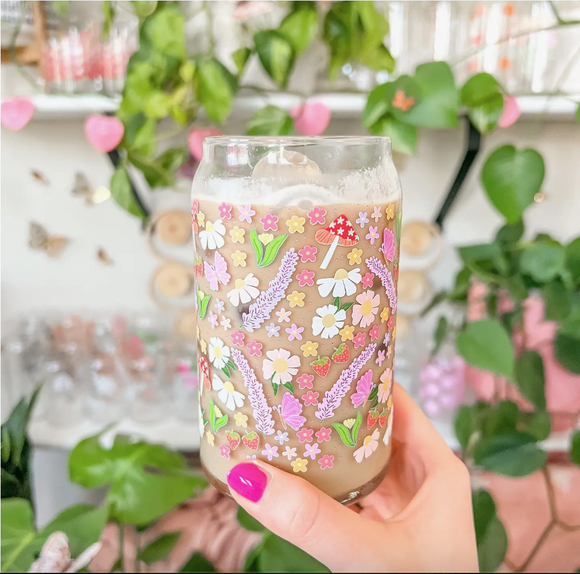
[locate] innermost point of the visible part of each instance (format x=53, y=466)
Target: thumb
x=295, y=510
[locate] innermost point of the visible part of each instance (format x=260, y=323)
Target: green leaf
x=567, y=350
x=144, y=8
x=145, y=480
x=542, y=261
x=336, y=302
x=572, y=255
x=173, y=158
x=516, y=454
x=257, y=245
x=489, y=531
x=270, y=121
x=222, y=421
x=276, y=55
x=144, y=140
x=378, y=104
x=529, y=374
x=500, y=419
x=482, y=95
x=465, y=425
x=403, y=136
x=575, y=447
x=346, y=306
x=240, y=58
x=440, y=98
x=337, y=36
x=440, y=334
x=108, y=12
x=198, y=563
x=166, y=31
x=289, y=386
x=486, y=345
x=356, y=428
x=517, y=288
x=159, y=549
x=511, y=178
x=122, y=193
x=248, y=521
x=538, y=424
x=510, y=233
x=378, y=58
x=275, y=386
x=486, y=116
x=153, y=171
x=344, y=434
x=203, y=306
x=215, y=88
x=278, y=555
x=300, y=28
x=158, y=105
x=60, y=7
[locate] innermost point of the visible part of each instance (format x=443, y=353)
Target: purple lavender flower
x=262, y=308
x=386, y=279
x=334, y=396
x=261, y=410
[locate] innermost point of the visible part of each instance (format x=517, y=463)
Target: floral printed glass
x=296, y=261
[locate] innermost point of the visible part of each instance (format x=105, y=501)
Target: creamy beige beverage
x=296, y=303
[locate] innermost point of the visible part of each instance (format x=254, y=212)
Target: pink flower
x=195, y=140
x=375, y=333
x=367, y=280
x=380, y=358
x=377, y=214
x=238, y=338
x=312, y=450
x=225, y=210
x=294, y=332
x=327, y=461
x=373, y=234
x=307, y=253
x=255, y=348
x=305, y=277
x=269, y=222
x=366, y=309
x=305, y=381
x=305, y=435
x=310, y=398
x=311, y=118
x=225, y=451
x=212, y=319
x=316, y=216
x=195, y=207
x=323, y=434
x=391, y=322
x=246, y=213
x=359, y=340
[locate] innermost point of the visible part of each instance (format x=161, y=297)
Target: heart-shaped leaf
x=215, y=87
x=489, y=532
x=300, y=28
x=122, y=193
x=511, y=178
x=276, y=54
x=270, y=121
x=403, y=136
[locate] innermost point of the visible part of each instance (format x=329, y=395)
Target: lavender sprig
x=334, y=396
x=386, y=279
x=261, y=410
x=262, y=308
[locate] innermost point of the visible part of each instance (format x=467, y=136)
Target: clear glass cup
x=296, y=246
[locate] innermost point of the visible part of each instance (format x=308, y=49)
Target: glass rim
x=275, y=141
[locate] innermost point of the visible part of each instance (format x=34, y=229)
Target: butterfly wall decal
x=38, y=238
x=217, y=273
x=290, y=411
x=92, y=196
x=40, y=177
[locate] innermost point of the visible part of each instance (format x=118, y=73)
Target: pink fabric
x=562, y=387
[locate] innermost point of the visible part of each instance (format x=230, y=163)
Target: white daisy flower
x=212, y=237
x=219, y=354
x=343, y=283
x=280, y=367
x=244, y=290
x=329, y=321
x=231, y=398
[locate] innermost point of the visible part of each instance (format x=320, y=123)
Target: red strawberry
x=203, y=368
x=251, y=440
x=341, y=354
x=372, y=418
x=199, y=267
x=321, y=366
x=383, y=418
x=233, y=439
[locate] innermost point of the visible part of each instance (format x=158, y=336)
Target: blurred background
x=104, y=108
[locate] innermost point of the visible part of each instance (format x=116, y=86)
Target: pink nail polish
x=248, y=480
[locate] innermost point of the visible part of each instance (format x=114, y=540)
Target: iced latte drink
x=296, y=259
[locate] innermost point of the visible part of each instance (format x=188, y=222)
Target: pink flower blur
x=195, y=140
x=311, y=119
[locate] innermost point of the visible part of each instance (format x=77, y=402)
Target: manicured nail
x=248, y=480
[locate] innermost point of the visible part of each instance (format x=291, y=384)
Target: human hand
x=419, y=519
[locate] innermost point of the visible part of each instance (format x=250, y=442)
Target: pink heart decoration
x=195, y=140
x=311, y=118
x=16, y=113
x=511, y=112
x=104, y=133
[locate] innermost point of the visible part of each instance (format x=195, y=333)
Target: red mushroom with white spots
x=339, y=232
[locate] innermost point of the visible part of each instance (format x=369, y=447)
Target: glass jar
x=296, y=245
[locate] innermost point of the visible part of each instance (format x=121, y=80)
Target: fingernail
x=248, y=480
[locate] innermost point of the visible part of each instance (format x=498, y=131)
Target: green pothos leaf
x=257, y=245
x=271, y=250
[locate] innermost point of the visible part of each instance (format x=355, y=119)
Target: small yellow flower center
x=217, y=351
x=229, y=387
x=209, y=226
x=328, y=321
x=340, y=274
x=366, y=307
x=367, y=440
x=240, y=283
x=280, y=365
